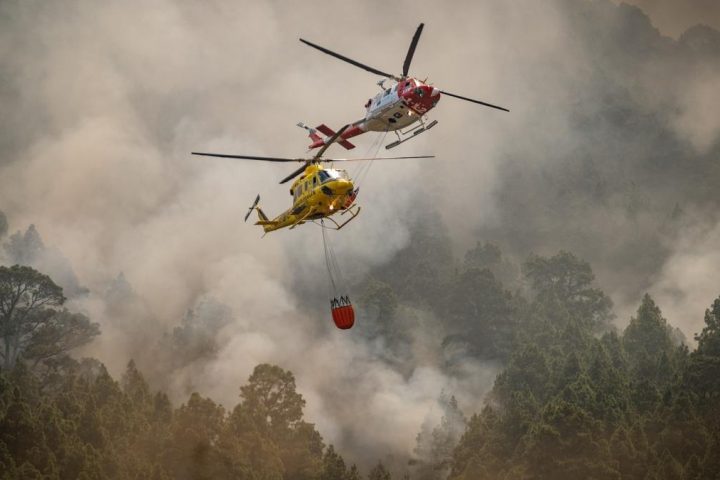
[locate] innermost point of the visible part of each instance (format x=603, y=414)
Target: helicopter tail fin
x=261, y=215
x=317, y=140
x=263, y=220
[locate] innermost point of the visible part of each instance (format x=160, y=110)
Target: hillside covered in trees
x=576, y=398
x=503, y=326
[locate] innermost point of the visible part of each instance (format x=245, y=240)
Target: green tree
x=630, y=461
x=135, y=386
x=567, y=443
x=489, y=256
x=379, y=472
x=353, y=473
x=275, y=408
x=333, y=466
x=611, y=402
x=61, y=333
x=648, y=332
x=435, y=448
x=271, y=400
x=648, y=344
x=482, y=450
x=196, y=431
x=569, y=280
x=528, y=372
x=24, y=248
x=702, y=374
x=195, y=337
x=28, y=319
x=248, y=450
x=479, y=314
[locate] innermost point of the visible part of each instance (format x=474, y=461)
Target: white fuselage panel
x=388, y=112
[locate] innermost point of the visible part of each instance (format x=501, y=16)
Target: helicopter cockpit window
x=335, y=174
x=324, y=177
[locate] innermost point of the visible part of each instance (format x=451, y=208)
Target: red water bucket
x=343, y=316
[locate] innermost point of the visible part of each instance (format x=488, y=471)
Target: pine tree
x=568, y=280
x=271, y=400
x=702, y=374
x=333, y=466
x=379, y=472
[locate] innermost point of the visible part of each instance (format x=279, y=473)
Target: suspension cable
x=365, y=169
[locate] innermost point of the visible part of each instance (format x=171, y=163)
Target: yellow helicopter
x=318, y=193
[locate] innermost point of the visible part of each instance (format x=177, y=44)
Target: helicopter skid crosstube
x=415, y=132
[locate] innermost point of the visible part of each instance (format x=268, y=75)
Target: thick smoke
x=673, y=17
x=609, y=151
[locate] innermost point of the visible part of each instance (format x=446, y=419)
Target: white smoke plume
x=105, y=100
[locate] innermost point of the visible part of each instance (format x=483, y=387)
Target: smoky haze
x=610, y=151
x=673, y=17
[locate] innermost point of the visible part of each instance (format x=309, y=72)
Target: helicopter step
x=415, y=133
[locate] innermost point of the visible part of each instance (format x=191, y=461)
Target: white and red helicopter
x=402, y=104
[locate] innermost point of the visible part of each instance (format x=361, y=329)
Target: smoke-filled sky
x=673, y=17
x=612, y=136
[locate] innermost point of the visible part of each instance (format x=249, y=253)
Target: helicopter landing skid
x=417, y=131
x=353, y=214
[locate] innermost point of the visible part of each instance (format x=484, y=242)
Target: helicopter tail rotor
x=254, y=205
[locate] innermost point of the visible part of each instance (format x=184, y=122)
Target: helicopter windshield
x=332, y=174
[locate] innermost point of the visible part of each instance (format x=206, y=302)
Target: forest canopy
x=576, y=398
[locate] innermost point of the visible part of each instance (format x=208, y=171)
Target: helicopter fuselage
x=397, y=107
x=403, y=104
x=318, y=193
